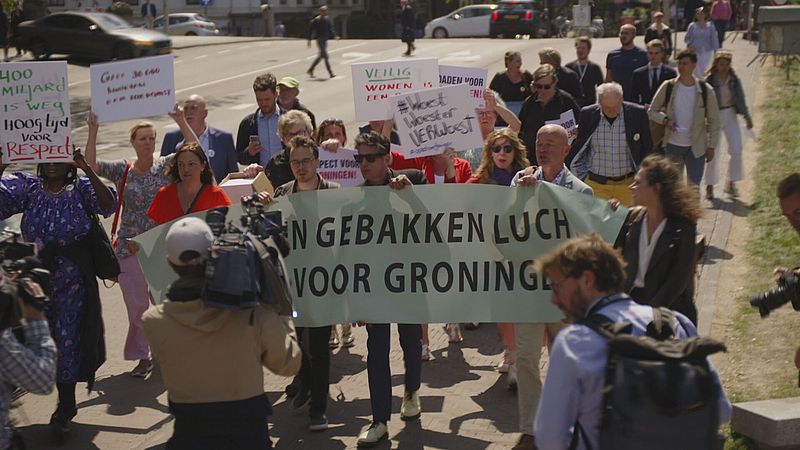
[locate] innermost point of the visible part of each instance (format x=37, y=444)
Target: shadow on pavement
x=115, y=391
x=81, y=437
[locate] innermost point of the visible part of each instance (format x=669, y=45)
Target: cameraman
x=30, y=365
x=211, y=358
x=789, y=198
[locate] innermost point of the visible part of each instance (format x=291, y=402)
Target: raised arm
x=91, y=141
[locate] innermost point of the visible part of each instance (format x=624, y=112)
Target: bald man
x=217, y=144
x=552, y=147
x=621, y=63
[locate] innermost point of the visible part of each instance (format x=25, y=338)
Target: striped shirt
x=611, y=156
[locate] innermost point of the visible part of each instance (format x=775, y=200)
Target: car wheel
x=439, y=33
x=38, y=48
x=123, y=51
x=190, y=33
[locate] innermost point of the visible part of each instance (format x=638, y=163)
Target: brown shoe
x=143, y=369
x=525, y=443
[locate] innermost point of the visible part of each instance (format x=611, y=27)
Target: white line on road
x=224, y=51
x=201, y=57
x=242, y=106
x=101, y=147
x=245, y=74
x=178, y=62
x=244, y=47
x=78, y=83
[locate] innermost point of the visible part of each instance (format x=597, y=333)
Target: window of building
x=192, y=2
x=55, y=2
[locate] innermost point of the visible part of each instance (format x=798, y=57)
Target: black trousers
x=315, y=370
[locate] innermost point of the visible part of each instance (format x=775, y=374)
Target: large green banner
x=424, y=254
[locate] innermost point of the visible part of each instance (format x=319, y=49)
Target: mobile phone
x=254, y=138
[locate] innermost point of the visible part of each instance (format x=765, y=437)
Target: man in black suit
x=648, y=78
x=646, y=81
x=607, y=151
x=567, y=79
x=373, y=159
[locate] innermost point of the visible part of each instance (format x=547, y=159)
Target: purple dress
x=61, y=218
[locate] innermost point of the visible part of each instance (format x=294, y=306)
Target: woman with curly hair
x=658, y=240
x=504, y=155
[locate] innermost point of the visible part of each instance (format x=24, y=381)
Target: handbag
x=106, y=264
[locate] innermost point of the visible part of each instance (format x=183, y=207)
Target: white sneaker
x=410, y=409
x=373, y=434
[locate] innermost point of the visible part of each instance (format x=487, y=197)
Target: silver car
x=187, y=24
x=469, y=21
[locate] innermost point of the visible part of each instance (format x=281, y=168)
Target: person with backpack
x=688, y=109
x=585, y=403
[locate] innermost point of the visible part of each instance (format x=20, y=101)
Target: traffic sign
x=206, y=3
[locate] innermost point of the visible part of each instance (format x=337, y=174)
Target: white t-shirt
x=685, y=98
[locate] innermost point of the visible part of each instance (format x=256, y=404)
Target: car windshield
x=109, y=22
x=519, y=6
x=201, y=18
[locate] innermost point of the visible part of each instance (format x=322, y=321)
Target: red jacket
x=425, y=164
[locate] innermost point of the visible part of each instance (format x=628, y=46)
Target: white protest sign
x=473, y=76
x=567, y=121
x=340, y=167
x=142, y=87
x=35, y=112
x=374, y=83
x=430, y=121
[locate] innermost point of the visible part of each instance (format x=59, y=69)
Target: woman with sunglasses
x=58, y=210
x=503, y=156
x=730, y=97
x=547, y=104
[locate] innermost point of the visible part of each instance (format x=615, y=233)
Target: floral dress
x=61, y=219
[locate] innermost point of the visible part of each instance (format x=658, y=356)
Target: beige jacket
x=210, y=354
x=705, y=129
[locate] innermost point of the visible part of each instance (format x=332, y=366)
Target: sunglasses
x=543, y=87
x=370, y=158
x=508, y=148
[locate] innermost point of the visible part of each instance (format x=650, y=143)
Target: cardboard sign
x=567, y=121
x=340, y=167
x=430, y=121
x=474, y=77
x=374, y=83
x=142, y=87
x=237, y=185
x=34, y=98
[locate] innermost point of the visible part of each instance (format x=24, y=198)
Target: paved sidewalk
x=465, y=402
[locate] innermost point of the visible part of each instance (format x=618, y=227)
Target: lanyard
x=582, y=70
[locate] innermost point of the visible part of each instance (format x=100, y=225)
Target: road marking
x=244, y=47
x=223, y=51
x=178, y=62
x=100, y=147
x=245, y=74
x=78, y=83
x=242, y=106
x=352, y=57
x=201, y=57
x=170, y=126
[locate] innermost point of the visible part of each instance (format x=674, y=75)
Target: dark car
x=512, y=18
x=91, y=35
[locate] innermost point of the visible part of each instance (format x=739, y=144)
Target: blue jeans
x=322, y=45
x=683, y=156
x=378, y=372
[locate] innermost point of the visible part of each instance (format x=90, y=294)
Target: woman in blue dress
x=57, y=208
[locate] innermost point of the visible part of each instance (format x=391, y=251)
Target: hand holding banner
x=133, y=89
x=35, y=110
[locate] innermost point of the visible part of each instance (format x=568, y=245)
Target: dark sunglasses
x=370, y=158
x=543, y=87
x=508, y=148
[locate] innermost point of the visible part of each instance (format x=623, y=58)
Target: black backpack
x=659, y=391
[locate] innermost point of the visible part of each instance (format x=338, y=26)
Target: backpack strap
x=661, y=328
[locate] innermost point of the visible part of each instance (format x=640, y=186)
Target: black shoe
x=60, y=423
x=333, y=75
x=310, y=73
x=292, y=388
x=318, y=422
x=301, y=399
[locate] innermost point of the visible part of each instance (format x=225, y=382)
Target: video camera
x=18, y=269
x=787, y=291
x=245, y=265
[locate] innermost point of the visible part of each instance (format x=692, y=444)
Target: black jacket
x=416, y=177
x=637, y=135
x=533, y=117
x=643, y=93
x=592, y=77
x=568, y=81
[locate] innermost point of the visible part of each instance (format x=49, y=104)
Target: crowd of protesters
x=638, y=126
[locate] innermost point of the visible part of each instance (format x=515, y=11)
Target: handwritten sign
x=472, y=76
x=132, y=89
x=374, y=83
x=34, y=98
x=430, y=121
x=340, y=167
x=567, y=120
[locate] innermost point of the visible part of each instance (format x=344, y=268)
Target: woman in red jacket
x=192, y=187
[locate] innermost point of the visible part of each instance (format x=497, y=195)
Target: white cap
x=188, y=241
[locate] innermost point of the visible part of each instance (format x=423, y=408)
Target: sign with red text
x=474, y=77
x=374, y=83
x=34, y=101
x=433, y=120
x=567, y=120
x=131, y=89
x=340, y=167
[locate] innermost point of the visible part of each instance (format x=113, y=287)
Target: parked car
x=92, y=35
x=469, y=21
x=512, y=18
x=187, y=24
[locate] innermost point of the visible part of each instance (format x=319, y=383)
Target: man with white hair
x=211, y=358
x=613, y=138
